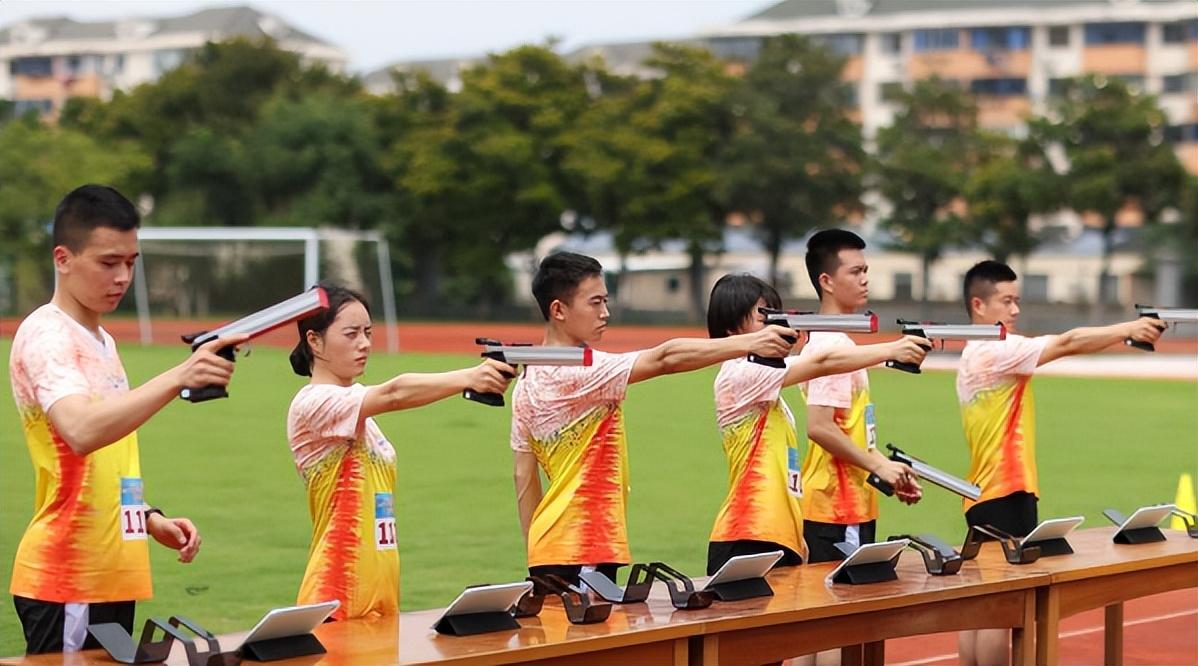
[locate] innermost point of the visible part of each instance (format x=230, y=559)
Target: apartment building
x=44, y=62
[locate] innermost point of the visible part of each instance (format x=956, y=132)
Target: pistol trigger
x=245, y=349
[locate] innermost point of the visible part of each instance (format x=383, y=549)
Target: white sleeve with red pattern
x=51, y=358
x=1017, y=355
x=741, y=384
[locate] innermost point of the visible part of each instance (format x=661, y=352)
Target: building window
x=1182, y=31
x=850, y=95
x=1013, y=38
x=903, y=287
x=892, y=43
x=937, y=40
x=1114, y=33
x=1058, y=87
x=841, y=45
x=164, y=61
x=1035, y=288
x=1180, y=83
x=737, y=48
x=22, y=106
x=1133, y=81
x=672, y=284
x=1110, y=287
x=31, y=67
x=999, y=87
x=1058, y=35
x=1182, y=133
x=890, y=91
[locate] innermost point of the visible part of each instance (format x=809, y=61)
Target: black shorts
x=570, y=571
x=1014, y=514
x=822, y=538
x=44, y=622
x=719, y=552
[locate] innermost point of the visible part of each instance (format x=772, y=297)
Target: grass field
x=225, y=464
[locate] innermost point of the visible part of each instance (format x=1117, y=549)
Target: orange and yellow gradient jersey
x=86, y=542
x=835, y=491
x=570, y=418
x=994, y=387
x=764, y=474
x=348, y=467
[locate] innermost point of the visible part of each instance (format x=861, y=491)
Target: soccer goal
x=224, y=272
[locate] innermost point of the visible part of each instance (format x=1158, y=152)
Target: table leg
x=1114, y=635
x=711, y=651
x=852, y=655
x=1023, y=648
x=874, y=653
x=1048, y=624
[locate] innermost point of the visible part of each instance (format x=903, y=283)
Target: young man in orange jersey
x=998, y=411
x=83, y=558
x=838, y=504
x=569, y=421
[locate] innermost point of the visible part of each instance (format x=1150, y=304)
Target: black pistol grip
x=771, y=361
x=883, y=487
x=905, y=367
x=212, y=391
x=491, y=399
x=1143, y=346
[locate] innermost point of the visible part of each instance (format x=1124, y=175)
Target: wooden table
x=805, y=615
x=1104, y=574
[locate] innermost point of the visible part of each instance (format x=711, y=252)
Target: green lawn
x=225, y=464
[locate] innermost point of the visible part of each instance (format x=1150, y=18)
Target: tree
x=1013, y=181
x=922, y=159
x=795, y=159
x=315, y=161
x=418, y=128
x=506, y=145
x=685, y=119
x=608, y=154
x=38, y=166
x=1117, y=159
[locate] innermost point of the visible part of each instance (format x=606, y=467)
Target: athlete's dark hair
x=733, y=299
x=558, y=278
x=981, y=279
x=339, y=297
x=823, y=253
x=87, y=207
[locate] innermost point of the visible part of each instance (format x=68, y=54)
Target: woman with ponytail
x=345, y=461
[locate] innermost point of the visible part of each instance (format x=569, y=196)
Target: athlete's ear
x=557, y=310
x=825, y=283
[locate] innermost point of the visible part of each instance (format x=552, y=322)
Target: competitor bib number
x=133, y=510
x=384, y=521
x=871, y=427
x=794, y=477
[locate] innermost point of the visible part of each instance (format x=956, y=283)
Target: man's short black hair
x=823, y=253
x=558, y=278
x=90, y=206
x=980, y=280
x=733, y=299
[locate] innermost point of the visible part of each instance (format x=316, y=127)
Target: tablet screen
x=291, y=621
x=1147, y=516
x=1056, y=528
x=870, y=553
x=745, y=566
x=488, y=598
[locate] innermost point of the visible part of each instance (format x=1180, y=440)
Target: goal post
x=314, y=245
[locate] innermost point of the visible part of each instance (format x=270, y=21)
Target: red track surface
x=450, y=337
x=1160, y=630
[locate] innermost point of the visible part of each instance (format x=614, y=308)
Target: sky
x=378, y=32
